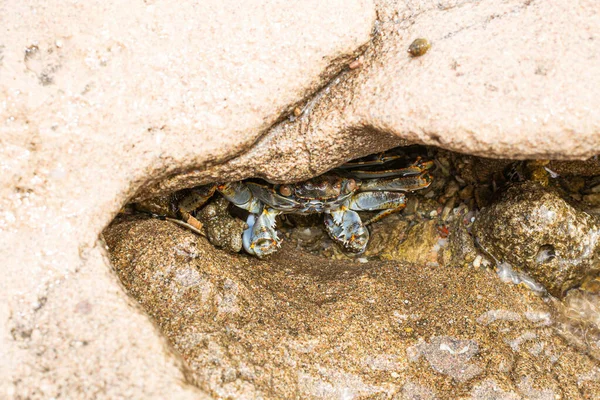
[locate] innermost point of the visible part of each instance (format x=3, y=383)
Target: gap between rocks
x=423, y=297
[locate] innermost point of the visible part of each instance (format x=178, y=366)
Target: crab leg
x=269, y=196
x=345, y=227
x=398, y=184
x=416, y=168
x=378, y=159
x=239, y=194
x=197, y=198
x=389, y=202
x=260, y=239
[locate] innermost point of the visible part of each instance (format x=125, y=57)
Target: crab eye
x=285, y=190
x=351, y=184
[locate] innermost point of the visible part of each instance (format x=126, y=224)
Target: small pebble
x=411, y=206
x=466, y=193
x=592, y=199
x=448, y=207
x=451, y=189
x=595, y=189
x=419, y=47
x=356, y=63
x=477, y=261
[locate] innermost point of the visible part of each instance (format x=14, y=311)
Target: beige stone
x=94, y=100
x=99, y=102
x=495, y=83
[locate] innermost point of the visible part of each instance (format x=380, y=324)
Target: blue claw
x=247, y=235
x=346, y=228
x=261, y=239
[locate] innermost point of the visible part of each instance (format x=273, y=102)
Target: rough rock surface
x=98, y=104
x=222, y=230
x=299, y=325
x=461, y=95
x=535, y=230
x=95, y=100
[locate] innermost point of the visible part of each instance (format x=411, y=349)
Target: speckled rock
x=461, y=247
x=297, y=325
x=98, y=99
x=538, y=232
x=396, y=240
x=101, y=102
x=223, y=230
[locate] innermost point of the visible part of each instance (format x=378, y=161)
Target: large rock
x=297, y=325
x=481, y=89
x=535, y=230
x=97, y=98
x=100, y=102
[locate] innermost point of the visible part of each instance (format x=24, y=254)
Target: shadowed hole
x=545, y=254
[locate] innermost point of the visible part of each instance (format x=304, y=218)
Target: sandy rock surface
x=94, y=100
x=98, y=103
x=533, y=228
x=300, y=325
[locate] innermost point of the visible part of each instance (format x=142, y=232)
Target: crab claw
x=260, y=239
x=346, y=228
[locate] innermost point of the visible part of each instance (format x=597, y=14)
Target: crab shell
x=321, y=194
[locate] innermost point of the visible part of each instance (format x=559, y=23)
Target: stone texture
x=535, y=230
x=302, y=325
x=523, y=101
x=95, y=100
x=98, y=104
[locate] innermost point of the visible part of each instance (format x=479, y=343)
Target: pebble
x=451, y=189
x=466, y=192
x=592, y=199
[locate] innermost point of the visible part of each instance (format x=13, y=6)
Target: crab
x=339, y=195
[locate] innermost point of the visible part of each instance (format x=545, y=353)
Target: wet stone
x=301, y=325
x=223, y=229
x=534, y=230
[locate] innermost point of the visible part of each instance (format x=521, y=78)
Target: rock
x=300, y=325
x=477, y=170
x=538, y=232
x=102, y=106
x=478, y=122
x=394, y=240
x=592, y=199
x=509, y=93
x=222, y=229
x=110, y=101
x=466, y=193
x=460, y=250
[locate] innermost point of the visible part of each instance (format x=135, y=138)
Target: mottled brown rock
x=298, y=325
x=222, y=229
x=536, y=231
x=396, y=241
